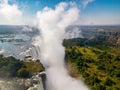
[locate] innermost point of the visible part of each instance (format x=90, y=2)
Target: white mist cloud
x=10, y=14
x=52, y=24
x=86, y=2
x=2, y=51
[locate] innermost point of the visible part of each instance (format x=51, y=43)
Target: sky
x=92, y=12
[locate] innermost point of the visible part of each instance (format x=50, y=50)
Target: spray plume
x=52, y=24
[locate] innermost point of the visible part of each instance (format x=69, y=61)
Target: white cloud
x=10, y=14
x=86, y=2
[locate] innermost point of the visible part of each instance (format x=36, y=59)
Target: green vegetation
x=34, y=66
x=98, y=64
x=11, y=67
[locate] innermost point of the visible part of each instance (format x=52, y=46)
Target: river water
x=16, y=41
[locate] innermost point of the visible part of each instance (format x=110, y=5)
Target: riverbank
x=33, y=83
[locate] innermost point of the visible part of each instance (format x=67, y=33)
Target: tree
x=109, y=82
x=23, y=72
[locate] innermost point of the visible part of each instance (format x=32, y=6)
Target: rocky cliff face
x=34, y=83
x=118, y=41
x=105, y=34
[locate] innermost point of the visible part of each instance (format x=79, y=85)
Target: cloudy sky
x=92, y=12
